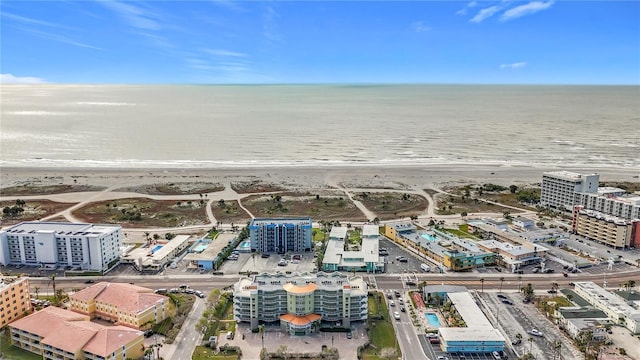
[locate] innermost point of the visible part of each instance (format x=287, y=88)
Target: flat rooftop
x=469, y=310
x=59, y=228
x=470, y=334
x=209, y=253
x=338, y=232
x=567, y=175
x=281, y=221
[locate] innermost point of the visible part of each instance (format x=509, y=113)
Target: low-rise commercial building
x=55, y=333
x=606, y=229
x=367, y=258
x=124, y=304
x=53, y=244
x=513, y=256
x=154, y=257
x=478, y=336
x=15, y=299
x=280, y=235
x=300, y=302
x=616, y=308
x=577, y=321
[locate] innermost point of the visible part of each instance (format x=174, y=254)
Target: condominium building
x=52, y=244
x=607, y=229
x=15, y=299
x=300, y=302
x=58, y=334
x=366, y=258
x=616, y=308
x=124, y=304
x=612, y=201
x=280, y=235
x=561, y=189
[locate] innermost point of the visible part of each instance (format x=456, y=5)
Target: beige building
x=123, y=304
x=15, y=299
x=56, y=333
x=606, y=229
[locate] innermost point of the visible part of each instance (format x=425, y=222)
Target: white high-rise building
x=561, y=189
x=50, y=244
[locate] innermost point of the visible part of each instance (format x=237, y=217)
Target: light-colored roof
x=60, y=228
x=338, y=232
x=300, y=320
x=109, y=338
x=281, y=221
x=70, y=331
x=303, y=289
x=469, y=310
x=126, y=297
x=370, y=231
x=470, y=334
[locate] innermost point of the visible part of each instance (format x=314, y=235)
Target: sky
x=263, y=42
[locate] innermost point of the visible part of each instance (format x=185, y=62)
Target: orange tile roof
x=125, y=297
x=109, y=339
x=300, y=320
x=305, y=289
x=70, y=331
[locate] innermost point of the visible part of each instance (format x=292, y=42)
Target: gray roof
x=60, y=228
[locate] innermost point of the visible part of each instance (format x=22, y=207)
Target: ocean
x=157, y=126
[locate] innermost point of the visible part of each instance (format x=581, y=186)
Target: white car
x=396, y=315
x=535, y=332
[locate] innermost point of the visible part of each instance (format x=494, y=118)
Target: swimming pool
x=245, y=245
x=200, y=248
x=428, y=237
x=433, y=320
x=158, y=247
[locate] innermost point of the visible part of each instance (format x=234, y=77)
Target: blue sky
x=226, y=41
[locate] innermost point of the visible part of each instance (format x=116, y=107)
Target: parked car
x=507, y=301
x=199, y=294
x=435, y=340
x=403, y=259
x=516, y=342
x=89, y=281
x=501, y=296
x=349, y=335
x=265, y=255
x=282, y=262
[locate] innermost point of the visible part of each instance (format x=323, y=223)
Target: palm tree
x=629, y=284
x=37, y=290
x=482, y=285
x=557, y=345
x=554, y=286
x=261, y=331
x=501, y=281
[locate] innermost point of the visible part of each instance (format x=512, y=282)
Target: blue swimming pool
x=158, y=247
x=433, y=320
x=428, y=237
x=245, y=245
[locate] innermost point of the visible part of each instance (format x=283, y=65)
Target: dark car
x=148, y=333
x=410, y=283
x=552, y=291
x=89, y=281
x=349, y=335
x=265, y=255
x=501, y=296
x=508, y=302
x=403, y=309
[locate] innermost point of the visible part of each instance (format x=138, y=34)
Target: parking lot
x=255, y=262
x=395, y=267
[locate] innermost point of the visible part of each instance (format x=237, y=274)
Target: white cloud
x=11, y=79
x=526, y=9
x=57, y=37
x=135, y=16
x=463, y=11
x=485, y=14
x=271, y=31
x=26, y=20
x=420, y=27
x=222, y=52
x=516, y=65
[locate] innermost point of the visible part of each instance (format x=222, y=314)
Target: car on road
x=89, y=281
x=534, y=332
x=403, y=309
x=349, y=336
x=148, y=333
x=507, y=301
x=265, y=255
x=397, y=293
x=396, y=315
x=391, y=303
x=565, y=274
x=552, y=291
x=410, y=283
x=389, y=296
x=199, y=294
x=282, y=262
x=443, y=358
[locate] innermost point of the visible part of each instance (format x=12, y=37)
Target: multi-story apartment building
x=300, y=302
x=367, y=258
x=52, y=244
x=124, y=304
x=561, y=189
x=15, y=299
x=280, y=235
x=58, y=334
x=607, y=229
x=612, y=201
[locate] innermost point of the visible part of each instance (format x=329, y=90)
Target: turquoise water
x=200, y=248
x=245, y=245
x=158, y=247
x=428, y=237
x=432, y=319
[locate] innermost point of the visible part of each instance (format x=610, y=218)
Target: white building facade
x=615, y=307
x=50, y=244
x=620, y=205
x=561, y=189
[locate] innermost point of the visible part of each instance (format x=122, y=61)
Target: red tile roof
x=125, y=297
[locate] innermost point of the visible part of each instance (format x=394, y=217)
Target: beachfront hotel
x=280, y=235
x=615, y=307
x=59, y=334
x=612, y=201
x=123, y=304
x=366, y=259
x=300, y=302
x=561, y=189
x=51, y=244
x=15, y=299
x=606, y=229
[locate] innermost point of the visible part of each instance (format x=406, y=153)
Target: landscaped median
x=217, y=320
x=382, y=337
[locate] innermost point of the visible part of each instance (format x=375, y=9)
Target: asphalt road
x=188, y=337
x=405, y=332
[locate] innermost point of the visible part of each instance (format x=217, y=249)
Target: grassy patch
x=229, y=212
x=13, y=352
x=179, y=188
x=144, y=212
x=33, y=189
x=32, y=210
x=205, y=353
x=381, y=332
x=459, y=233
x=327, y=208
x=392, y=205
x=318, y=234
x=255, y=186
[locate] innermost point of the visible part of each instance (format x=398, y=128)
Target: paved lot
x=274, y=338
x=393, y=266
